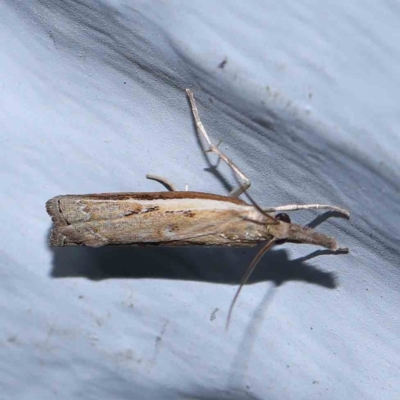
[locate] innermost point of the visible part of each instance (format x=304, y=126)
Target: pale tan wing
x=201, y=219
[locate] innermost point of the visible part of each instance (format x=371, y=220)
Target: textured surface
x=169, y=218
x=305, y=99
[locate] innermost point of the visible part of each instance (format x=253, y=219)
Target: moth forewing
x=166, y=218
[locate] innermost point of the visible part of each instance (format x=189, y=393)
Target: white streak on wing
x=196, y=204
x=189, y=204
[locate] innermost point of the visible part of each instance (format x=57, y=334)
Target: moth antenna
x=246, y=277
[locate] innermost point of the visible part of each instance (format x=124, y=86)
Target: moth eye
x=283, y=217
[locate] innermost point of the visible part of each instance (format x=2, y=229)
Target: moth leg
x=244, y=182
x=296, y=207
x=170, y=186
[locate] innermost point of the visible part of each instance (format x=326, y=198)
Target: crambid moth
x=181, y=218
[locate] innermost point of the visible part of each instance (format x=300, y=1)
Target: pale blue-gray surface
x=92, y=99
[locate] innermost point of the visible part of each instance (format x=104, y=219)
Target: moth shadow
x=226, y=394
x=206, y=264
x=324, y=217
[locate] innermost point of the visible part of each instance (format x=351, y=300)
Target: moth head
x=294, y=233
x=283, y=217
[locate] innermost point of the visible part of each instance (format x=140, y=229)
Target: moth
x=182, y=218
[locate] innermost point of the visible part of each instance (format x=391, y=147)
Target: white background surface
x=92, y=99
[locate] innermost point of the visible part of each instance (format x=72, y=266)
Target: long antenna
x=247, y=275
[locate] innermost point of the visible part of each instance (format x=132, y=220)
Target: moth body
x=167, y=219
x=164, y=218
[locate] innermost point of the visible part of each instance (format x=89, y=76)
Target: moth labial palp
x=182, y=218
